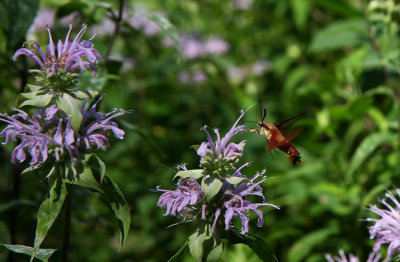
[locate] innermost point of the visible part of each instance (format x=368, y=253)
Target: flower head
x=221, y=155
x=179, y=200
x=66, y=56
x=49, y=131
x=386, y=229
x=236, y=203
x=373, y=257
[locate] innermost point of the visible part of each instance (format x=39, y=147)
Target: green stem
x=67, y=225
x=115, y=33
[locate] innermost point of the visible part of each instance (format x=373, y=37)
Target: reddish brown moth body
x=274, y=135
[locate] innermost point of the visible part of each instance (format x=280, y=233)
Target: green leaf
x=341, y=7
x=72, y=107
x=33, y=99
x=168, y=29
x=210, y=186
x=196, y=242
x=194, y=173
x=32, y=88
x=300, y=10
x=49, y=210
x=303, y=247
x=41, y=254
x=367, y=146
x=339, y=35
x=15, y=203
x=179, y=253
x=257, y=244
x=118, y=204
x=85, y=176
x=234, y=180
x=21, y=14
x=216, y=252
x=83, y=95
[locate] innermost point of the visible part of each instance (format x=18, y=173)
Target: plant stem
x=13, y=215
x=67, y=225
x=118, y=20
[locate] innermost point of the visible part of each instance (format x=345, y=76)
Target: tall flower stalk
x=61, y=137
x=217, y=194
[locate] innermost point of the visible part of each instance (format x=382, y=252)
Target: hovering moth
x=275, y=135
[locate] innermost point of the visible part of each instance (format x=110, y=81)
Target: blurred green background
x=178, y=65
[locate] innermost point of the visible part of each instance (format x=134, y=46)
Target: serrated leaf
x=194, y=173
x=41, y=254
x=179, y=253
x=49, y=210
x=257, y=244
x=118, y=204
x=339, y=35
x=367, y=146
x=72, y=107
x=210, y=186
x=234, y=180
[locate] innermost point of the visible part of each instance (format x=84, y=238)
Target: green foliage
x=258, y=245
x=49, y=210
x=321, y=56
x=41, y=254
x=204, y=245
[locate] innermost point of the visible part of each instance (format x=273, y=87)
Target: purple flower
x=216, y=46
x=193, y=47
x=49, y=131
x=237, y=205
x=221, y=148
x=44, y=18
x=188, y=193
x=242, y=4
x=373, y=257
x=386, y=229
x=66, y=56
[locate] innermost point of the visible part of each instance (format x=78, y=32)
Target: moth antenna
x=261, y=109
x=265, y=113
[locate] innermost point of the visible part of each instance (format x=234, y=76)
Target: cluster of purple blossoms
x=185, y=195
x=232, y=200
x=373, y=257
x=141, y=22
x=221, y=156
x=386, y=229
x=193, y=47
x=66, y=56
x=189, y=199
x=49, y=131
